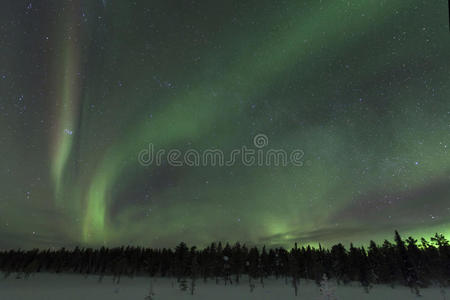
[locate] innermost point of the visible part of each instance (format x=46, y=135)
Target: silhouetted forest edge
x=403, y=262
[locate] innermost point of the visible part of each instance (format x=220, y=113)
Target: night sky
x=361, y=87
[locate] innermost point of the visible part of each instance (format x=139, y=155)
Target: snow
x=68, y=287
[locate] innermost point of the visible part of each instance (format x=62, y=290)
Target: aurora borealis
x=361, y=87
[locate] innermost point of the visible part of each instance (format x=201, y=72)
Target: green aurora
x=362, y=87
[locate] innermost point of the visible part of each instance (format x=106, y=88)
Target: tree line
x=404, y=262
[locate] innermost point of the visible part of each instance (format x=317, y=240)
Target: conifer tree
x=406, y=267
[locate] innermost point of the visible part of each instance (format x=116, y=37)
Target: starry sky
x=361, y=87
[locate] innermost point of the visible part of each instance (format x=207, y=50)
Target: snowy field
x=77, y=287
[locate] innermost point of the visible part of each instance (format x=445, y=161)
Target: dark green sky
x=361, y=87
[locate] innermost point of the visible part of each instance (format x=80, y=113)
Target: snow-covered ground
x=77, y=287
